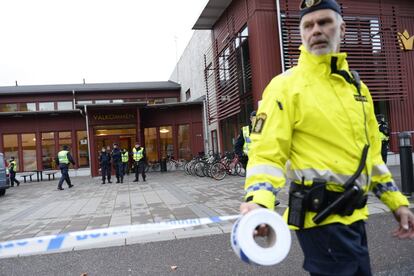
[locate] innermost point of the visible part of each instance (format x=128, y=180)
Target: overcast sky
x=64, y=41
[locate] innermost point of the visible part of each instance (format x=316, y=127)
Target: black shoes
x=59, y=188
x=109, y=181
x=136, y=180
x=70, y=186
x=103, y=183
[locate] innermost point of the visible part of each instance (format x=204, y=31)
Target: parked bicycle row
x=215, y=166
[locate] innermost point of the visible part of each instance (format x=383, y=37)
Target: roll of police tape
x=278, y=239
x=68, y=241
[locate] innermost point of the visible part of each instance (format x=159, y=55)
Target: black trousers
x=64, y=170
x=336, y=249
x=140, y=168
x=125, y=168
x=106, y=172
x=384, y=151
x=119, y=171
x=13, y=179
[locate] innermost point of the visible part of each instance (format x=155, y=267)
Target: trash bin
x=406, y=162
x=163, y=164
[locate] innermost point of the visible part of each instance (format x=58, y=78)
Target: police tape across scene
x=82, y=239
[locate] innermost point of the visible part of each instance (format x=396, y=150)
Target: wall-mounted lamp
x=164, y=130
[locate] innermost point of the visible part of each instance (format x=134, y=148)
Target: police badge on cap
x=308, y=6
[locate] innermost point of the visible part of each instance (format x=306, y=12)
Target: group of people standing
x=119, y=160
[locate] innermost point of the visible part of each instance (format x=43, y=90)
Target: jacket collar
x=321, y=65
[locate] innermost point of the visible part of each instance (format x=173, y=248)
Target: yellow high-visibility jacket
x=317, y=121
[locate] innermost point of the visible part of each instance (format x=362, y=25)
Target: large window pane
x=64, y=105
x=83, y=153
x=11, y=147
x=65, y=138
x=48, y=150
x=184, y=151
x=46, y=106
x=151, y=143
x=166, y=141
x=29, y=152
x=8, y=107
x=27, y=107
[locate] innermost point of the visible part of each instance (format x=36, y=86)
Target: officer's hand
x=246, y=207
x=406, y=219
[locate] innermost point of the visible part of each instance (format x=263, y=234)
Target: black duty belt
x=328, y=198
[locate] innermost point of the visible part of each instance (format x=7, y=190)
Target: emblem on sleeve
x=360, y=98
x=259, y=123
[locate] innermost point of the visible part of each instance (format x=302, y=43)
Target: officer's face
x=321, y=31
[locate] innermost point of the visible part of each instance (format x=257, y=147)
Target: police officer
x=12, y=171
x=320, y=118
x=139, y=156
x=384, y=136
x=63, y=159
x=125, y=161
x=105, y=165
x=117, y=163
x=241, y=147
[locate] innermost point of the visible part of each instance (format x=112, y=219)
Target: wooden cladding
x=370, y=41
x=228, y=77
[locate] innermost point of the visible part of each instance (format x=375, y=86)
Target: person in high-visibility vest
x=12, y=171
x=316, y=130
x=63, y=159
x=243, y=142
x=139, y=156
x=125, y=161
x=384, y=136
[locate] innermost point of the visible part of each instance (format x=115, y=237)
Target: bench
x=27, y=174
x=50, y=173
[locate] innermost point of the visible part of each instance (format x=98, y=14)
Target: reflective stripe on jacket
x=125, y=157
x=138, y=154
x=315, y=125
x=63, y=157
x=247, y=140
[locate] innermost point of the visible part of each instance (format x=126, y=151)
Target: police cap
x=308, y=6
x=65, y=147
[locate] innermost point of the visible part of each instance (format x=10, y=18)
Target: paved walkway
x=38, y=208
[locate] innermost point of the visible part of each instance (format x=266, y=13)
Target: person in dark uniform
x=63, y=159
x=105, y=165
x=125, y=161
x=140, y=160
x=384, y=135
x=12, y=171
x=117, y=163
x=241, y=147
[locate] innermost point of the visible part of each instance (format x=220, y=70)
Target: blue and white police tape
x=67, y=241
x=278, y=239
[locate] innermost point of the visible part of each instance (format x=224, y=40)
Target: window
x=187, y=95
x=184, y=151
x=83, y=152
x=46, y=106
x=12, y=107
x=65, y=138
x=27, y=107
x=118, y=101
x=102, y=101
x=85, y=102
x=29, y=152
x=48, y=151
x=214, y=141
x=150, y=137
x=170, y=100
x=224, y=66
x=166, y=141
x=64, y=105
x=11, y=147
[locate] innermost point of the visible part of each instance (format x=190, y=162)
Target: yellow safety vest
x=138, y=154
x=247, y=140
x=314, y=124
x=63, y=157
x=125, y=157
x=14, y=163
